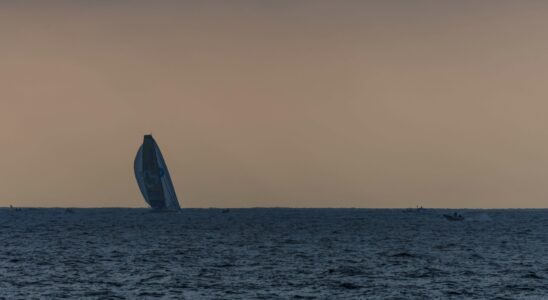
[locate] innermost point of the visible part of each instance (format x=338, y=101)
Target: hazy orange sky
x=276, y=103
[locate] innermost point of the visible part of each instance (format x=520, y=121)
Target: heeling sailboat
x=153, y=177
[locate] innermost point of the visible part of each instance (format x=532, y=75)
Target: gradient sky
x=276, y=103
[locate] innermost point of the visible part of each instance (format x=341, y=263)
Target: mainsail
x=153, y=177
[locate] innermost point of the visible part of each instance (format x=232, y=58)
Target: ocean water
x=273, y=254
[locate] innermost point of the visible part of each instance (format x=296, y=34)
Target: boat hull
x=453, y=218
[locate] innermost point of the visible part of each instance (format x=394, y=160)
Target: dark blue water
x=273, y=254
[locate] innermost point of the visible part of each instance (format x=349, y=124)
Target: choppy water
x=273, y=254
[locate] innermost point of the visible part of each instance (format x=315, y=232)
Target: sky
x=377, y=104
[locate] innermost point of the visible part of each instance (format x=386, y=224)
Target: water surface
x=273, y=254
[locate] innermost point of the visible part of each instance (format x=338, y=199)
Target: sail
x=153, y=177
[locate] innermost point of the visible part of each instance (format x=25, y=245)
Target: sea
x=272, y=253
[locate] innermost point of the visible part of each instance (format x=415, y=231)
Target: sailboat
x=153, y=177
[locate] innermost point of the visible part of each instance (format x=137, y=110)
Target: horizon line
x=274, y=207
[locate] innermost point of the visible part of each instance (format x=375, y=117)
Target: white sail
x=153, y=176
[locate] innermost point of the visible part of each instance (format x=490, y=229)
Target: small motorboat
x=454, y=217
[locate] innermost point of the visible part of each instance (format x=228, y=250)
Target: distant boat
x=412, y=210
x=454, y=217
x=153, y=177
